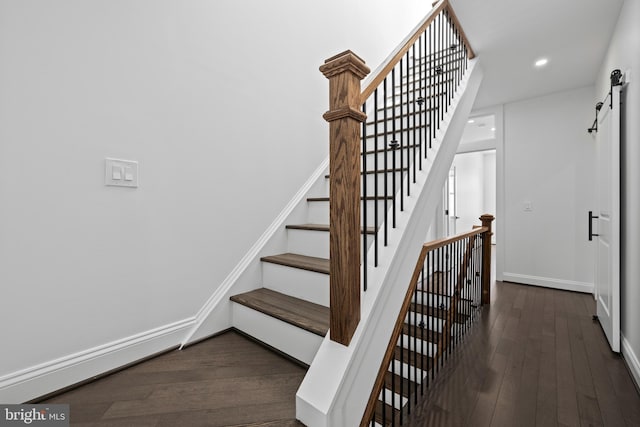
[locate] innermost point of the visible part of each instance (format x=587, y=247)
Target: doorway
x=471, y=190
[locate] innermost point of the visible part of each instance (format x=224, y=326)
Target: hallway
x=535, y=358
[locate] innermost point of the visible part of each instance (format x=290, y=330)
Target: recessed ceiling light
x=542, y=62
x=471, y=121
x=493, y=129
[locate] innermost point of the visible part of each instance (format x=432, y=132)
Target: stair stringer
x=339, y=381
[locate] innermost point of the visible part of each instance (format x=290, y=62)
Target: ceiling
x=510, y=35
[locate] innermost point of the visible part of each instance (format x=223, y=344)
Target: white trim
x=47, y=377
x=631, y=358
x=549, y=282
x=221, y=292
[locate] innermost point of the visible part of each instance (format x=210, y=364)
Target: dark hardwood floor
x=535, y=358
x=228, y=380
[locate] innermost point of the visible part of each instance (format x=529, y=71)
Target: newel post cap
x=346, y=61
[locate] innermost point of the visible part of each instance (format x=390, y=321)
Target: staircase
x=281, y=293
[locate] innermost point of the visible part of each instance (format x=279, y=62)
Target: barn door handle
x=591, y=218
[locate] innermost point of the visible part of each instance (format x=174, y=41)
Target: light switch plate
x=120, y=173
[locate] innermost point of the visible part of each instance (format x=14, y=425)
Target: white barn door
x=607, y=287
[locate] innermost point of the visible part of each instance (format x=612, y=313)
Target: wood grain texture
x=535, y=358
x=303, y=262
x=303, y=314
x=322, y=227
x=344, y=72
x=487, y=220
x=223, y=381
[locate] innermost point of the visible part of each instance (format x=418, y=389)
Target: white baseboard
x=36, y=381
x=548, y=282
x=631, y=358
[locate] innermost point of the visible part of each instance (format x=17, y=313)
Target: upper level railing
x=381, y=136
x=450, y=282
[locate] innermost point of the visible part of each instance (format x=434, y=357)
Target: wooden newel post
x=486, y=259
x=344, y=72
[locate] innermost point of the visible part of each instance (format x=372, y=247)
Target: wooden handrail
x=435, y=244
x=406, y=303
x=383, y=71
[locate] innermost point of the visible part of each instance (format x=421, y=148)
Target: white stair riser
x=307, y=285
x=318, y=212
x=433, y=323
x=422, y=346
x=371, y=182
x=393, y=399
x=431, y=300
x=407, y=371
x=308, y=242
x=289, y=339
x=402, y=129
x=312, y=243
x=406, y=153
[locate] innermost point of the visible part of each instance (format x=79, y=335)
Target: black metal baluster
x=393, y=392
x=415, y=111
x=439, y=277
x=416, y=324
x=402, y=130
x=393, y=145
x=375, y=177
x=439, y=76
x=384, y=406
x=364, y=193
x=420, y=101
x=428, y=287
x=434, y=90
x=426, y=94
x=386, y=167
x=422, y=335
x=402, y=371
x=450, y=73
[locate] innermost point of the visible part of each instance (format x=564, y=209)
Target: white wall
x=624, y=54
x=549, y=161
x=469, y=190
x=489, y=187
x=221, y=104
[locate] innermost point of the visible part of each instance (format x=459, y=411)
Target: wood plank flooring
x=535, y=358
x=228, y=380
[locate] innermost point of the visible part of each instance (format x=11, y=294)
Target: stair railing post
x=344, y=71
x=486, y=259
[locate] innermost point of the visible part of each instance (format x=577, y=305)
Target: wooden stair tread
x=303, y=262
x=322, y=227
x=402, y=385
x=421, y=333
x=412, y=358
x=295, y=311
x=388, y=414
